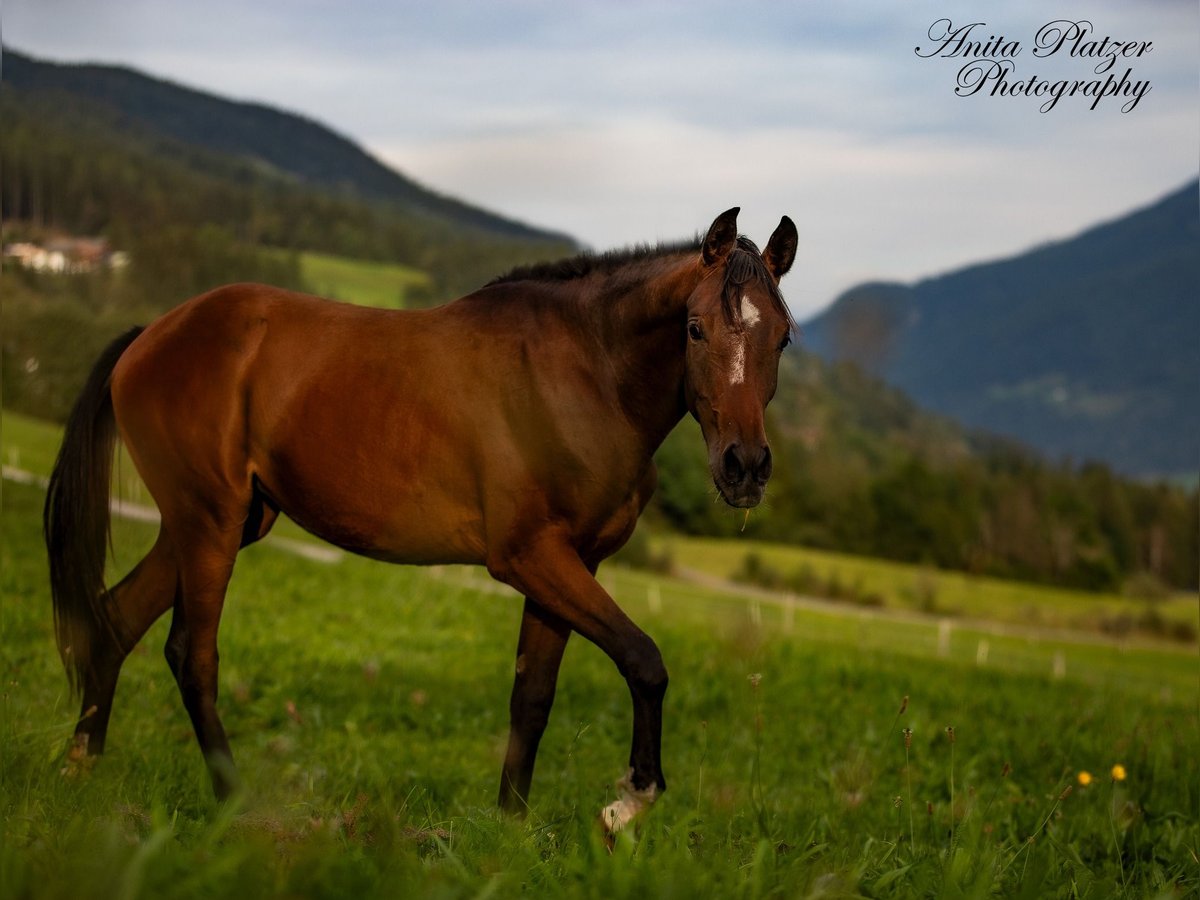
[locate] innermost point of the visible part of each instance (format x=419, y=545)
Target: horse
x=513, y=428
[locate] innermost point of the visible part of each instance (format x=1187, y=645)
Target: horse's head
x=736, y=329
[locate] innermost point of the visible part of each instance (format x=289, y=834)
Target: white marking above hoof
x=78, y=761
x=630, y=804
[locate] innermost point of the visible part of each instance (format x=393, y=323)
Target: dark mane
x=588, y=263
x=744, y=265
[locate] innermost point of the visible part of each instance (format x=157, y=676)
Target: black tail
x=76, y=521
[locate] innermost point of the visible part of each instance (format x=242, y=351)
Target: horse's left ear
x=721, y=237
x=781, y=249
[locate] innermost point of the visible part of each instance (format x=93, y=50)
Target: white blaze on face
x=750, y=317
x=749, y=312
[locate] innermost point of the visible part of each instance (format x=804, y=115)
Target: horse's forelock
x=744, y=266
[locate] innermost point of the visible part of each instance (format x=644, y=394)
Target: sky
x=621, y=122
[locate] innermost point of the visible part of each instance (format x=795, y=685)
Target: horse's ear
x=721, y=237
x=781, y=249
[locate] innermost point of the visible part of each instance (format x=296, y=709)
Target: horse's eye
x=695, y=332
x=787, y=339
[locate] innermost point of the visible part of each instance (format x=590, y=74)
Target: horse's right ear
x=721, y=237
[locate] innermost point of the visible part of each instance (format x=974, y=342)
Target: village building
x=67, y=255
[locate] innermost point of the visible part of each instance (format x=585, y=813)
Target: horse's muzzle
x=743, y=474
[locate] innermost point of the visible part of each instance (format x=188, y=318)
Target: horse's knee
x=645, y=669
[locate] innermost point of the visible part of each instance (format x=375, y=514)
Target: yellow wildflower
x=1085, y=778
x=1118, y=772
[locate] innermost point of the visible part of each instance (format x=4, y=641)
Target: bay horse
x=513, y=428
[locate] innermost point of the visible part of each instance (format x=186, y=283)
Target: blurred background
x=997, y=369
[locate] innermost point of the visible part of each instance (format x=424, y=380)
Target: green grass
x=367, y=705
x=359, y=281
x=911, y=587
x=28, y=443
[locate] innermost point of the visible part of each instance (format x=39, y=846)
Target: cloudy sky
x=620, y=122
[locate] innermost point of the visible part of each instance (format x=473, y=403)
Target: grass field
x=913, y=587
x=367, y=705
x=359, y=281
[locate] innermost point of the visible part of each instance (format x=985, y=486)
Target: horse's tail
x=76, y=518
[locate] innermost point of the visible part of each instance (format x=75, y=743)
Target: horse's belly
x=404, y=532
x=363, y=506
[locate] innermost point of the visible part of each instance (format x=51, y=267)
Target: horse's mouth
x=743, y=496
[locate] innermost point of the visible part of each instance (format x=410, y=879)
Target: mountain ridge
x=1081, y=347
x=288, y=142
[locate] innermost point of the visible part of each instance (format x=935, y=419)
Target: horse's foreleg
x=556, y=579
x=141, y=597
x=539, y=652
x=206, y=565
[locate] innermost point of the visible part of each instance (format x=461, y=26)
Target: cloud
x=904, y=208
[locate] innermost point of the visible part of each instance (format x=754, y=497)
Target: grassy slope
x=909, y=586
x=380, y=784
x=359, y=281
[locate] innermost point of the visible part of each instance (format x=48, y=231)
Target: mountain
x=1085, y=347
x=200, y=190
x=272, y=140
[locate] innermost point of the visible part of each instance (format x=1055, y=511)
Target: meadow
x=367, y=707
x=359, y=281
x=926, y=589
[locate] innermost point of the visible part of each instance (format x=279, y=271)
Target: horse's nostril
x=763, y=472
x=732, y=466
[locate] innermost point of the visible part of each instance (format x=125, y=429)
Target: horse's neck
x=644, y=330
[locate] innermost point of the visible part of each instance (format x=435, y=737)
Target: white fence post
x=944, y=627
x=1060, y=664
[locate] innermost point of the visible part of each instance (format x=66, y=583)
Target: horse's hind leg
x=206, y=555
x=142, y=596
x=539, y=653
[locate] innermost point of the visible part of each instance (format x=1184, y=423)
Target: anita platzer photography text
x=599, y=450
x=991, y=66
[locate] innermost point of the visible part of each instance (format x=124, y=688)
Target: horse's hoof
x=79, y=762
x=629, y=805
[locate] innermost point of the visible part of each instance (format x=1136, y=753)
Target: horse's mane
x=744, y=265
x=588, y=263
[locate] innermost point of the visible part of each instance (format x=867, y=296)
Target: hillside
x=271, y=140
x=138, y=161
x=1083, y=348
